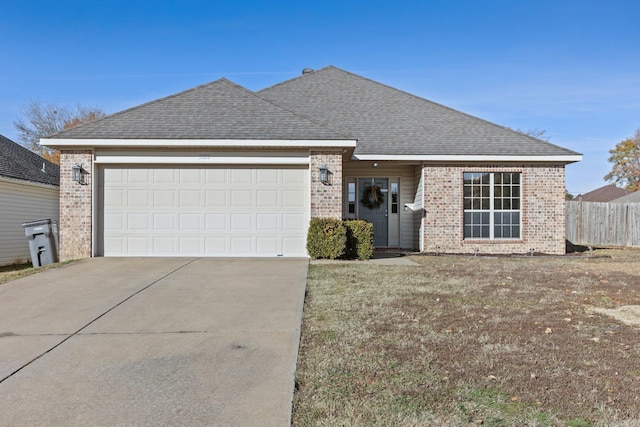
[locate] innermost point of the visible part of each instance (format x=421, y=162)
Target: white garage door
x=196, y=211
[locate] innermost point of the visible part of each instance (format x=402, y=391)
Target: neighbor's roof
x=605, y=193
x=388, y=121
x=217, y=110
x=16, y=162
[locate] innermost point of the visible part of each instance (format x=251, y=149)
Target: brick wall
x=542, y=210
x=326, y=200
x=75, y=206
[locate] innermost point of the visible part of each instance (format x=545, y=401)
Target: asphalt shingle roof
x=17, y=162
x=217, y=110
x=388, y=121
x=328, y=104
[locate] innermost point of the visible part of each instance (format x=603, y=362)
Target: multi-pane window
x=491, y=205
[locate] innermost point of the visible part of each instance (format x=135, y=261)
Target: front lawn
x=17, y=271
x=462, y=340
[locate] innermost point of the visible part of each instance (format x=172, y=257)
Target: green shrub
x=359, y=239
x=326, y=238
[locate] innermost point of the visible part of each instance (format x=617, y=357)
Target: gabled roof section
x=389, y=122
x=220, y=110
x=16, y=162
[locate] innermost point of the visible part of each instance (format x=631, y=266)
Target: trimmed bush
x=359, y=239
x=326, y=238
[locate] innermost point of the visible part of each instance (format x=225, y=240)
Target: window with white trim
x=491, y=205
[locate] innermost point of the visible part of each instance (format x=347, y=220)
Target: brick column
x=75, y=206
x=326, y=200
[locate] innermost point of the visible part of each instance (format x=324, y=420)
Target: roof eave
x=566, y=158
x=62, y=143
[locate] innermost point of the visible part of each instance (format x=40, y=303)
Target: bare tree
x=536, y=133
x=40, y=120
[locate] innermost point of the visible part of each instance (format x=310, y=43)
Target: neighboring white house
x=29, y=191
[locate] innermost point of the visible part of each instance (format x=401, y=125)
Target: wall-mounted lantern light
x=325, y=175
x=77, y=174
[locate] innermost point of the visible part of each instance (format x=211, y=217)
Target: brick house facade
x=219, y=170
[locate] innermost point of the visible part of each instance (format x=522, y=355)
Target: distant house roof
x=606, y=193
x=217, y=110
x=329, y=105
x=16, y=162
x=629, y=198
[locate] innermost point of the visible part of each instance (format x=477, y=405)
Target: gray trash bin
x=43, y=241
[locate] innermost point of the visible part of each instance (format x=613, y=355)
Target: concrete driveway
x=152, y=341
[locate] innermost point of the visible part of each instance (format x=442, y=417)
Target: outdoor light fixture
x=77, y=174
x=374, y=165
x=325, y=175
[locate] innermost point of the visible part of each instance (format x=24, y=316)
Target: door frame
x=351, y=209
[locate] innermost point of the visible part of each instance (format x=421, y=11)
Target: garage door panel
x=268, y=199
x=241, y=176
x=164, y=198
x=139, y=222
x=189, y=222
x=216, y=245
x=139, y=198
x=216, y=176
x=198, y=211
x=138, y=245
x=164, y=221
x=293, y=199
x=242, y=223
x=268, y=177
x=164, y=245
x=216, y=199
x=191, y=199
x=268, y=222
x=242, y=245
x=294, y=223
x=138, y=176
x=190, y=176
x=267, y=246
x=216, y=222
x=164, y=176
x=114, y=198
x=190, y=245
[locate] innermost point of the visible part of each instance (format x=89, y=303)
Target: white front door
x=203, y=211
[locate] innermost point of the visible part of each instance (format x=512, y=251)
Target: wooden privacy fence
x=603, y=224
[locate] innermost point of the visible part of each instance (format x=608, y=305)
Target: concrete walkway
x=148, y=341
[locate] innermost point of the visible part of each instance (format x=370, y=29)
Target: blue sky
x=570, y=67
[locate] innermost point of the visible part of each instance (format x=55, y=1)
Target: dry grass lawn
x=461, y=340
x=17, y=271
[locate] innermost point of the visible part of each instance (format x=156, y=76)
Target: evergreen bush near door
x=331, y=238
x=359, y=239
x=326, y=238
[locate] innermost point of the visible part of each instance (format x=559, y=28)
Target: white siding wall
x=408, y=182
x=20, y=203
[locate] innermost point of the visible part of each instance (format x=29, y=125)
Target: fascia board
x=569, y=158
x=276, y=143
x=29, y=183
